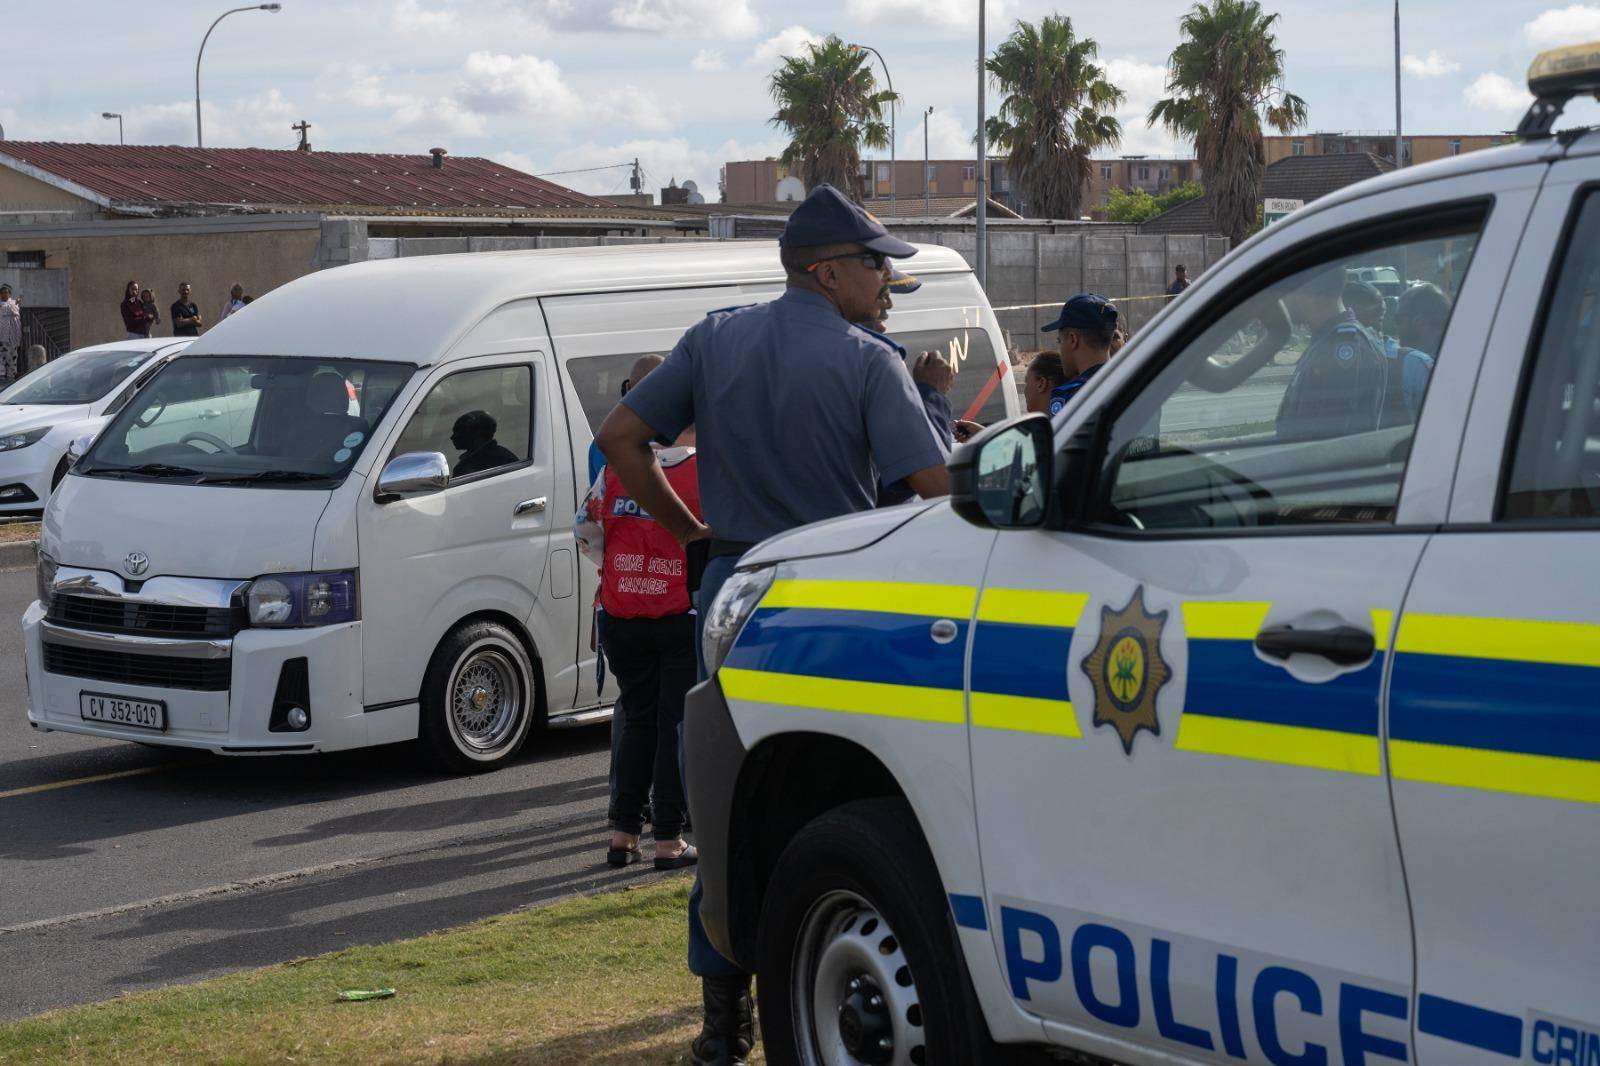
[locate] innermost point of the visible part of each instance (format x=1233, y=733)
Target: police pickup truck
x=1248, y=712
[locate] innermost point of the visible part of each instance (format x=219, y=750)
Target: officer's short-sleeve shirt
x=797, y=414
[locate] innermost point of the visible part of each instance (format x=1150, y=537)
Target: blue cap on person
x=828, y=217
x=1087, y=310
x=903, y=284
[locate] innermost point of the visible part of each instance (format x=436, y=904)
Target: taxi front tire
x=849, y=926
x=478, y=699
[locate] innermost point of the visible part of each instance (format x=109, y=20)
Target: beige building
x=1419, y=148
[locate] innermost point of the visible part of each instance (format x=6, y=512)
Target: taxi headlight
x=10, y=442
x=727, y=614
x=44, y=573
x=285, y=601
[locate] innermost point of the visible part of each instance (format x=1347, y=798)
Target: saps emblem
x=1127, y=670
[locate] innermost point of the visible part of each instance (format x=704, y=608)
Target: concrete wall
x=19, y=192
x=101, y=264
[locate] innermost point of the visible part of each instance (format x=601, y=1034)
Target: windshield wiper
x=262, y=475
x=143, y=470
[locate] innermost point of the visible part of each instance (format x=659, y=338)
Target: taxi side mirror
x=1001, y=478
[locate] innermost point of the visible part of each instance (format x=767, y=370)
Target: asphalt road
x=124, y=867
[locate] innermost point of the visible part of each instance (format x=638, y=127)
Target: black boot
x=729, y=1032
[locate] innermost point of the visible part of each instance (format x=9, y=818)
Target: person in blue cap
x=1085, y=331
x=798, y=413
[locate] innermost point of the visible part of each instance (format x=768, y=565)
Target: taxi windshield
x=248, y=420
x=79, y=377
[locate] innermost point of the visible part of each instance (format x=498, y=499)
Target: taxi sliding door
x=1494, y=699
x=1188, y=841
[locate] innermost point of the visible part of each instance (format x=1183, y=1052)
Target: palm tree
x=1225, y=77
x=831, y=107
x=1054, y=115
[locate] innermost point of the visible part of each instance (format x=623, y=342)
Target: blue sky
x=554, y=85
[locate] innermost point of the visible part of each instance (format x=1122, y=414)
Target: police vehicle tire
x=478, y=699
x=855, y=905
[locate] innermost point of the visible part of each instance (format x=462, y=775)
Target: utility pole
x=983, y=196
x=1399, y=157
x=118, y=117
x=927, y=207
x=304, y=129
x=636, y=181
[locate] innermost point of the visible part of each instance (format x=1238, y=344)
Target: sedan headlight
x=729, y=611
x=12, y=441
x=290, y=601
x=44, y=573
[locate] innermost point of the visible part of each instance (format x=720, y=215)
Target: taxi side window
x=1555, y=467
x=598, y=379
x=1296, y=405
x=480, y=419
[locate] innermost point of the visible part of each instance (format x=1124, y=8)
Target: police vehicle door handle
x=1345, y=645
x=533, y=506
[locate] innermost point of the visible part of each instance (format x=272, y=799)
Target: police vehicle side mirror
x=413, y=474
x=1001, y=478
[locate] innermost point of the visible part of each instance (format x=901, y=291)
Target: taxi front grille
x=156, y=671
x=107, y=615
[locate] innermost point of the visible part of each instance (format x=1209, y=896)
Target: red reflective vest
x=643, y=574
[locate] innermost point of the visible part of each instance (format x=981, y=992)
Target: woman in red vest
x=649, y=643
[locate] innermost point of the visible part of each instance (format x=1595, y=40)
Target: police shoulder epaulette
x=726, y=310
x=893, y=344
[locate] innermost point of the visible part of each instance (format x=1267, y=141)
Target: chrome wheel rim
x=488, y=697
x=855, y=1000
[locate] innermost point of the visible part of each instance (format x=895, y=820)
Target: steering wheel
x=151, y=413
x=207, y=438
x=1247, y=502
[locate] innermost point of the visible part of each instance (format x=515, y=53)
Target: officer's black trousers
x=654, y=662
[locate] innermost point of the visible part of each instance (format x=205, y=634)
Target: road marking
x=51, y=786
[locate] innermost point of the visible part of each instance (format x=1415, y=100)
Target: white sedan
x=68, y=398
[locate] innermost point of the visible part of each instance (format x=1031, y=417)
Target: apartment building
x=1421, y=148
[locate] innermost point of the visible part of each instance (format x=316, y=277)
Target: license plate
x=116, y=710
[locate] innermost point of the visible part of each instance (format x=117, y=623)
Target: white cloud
x=260, y=121
x=358, y=86
x=1432, y=65
x=948, y=138
x=1144, y=84
x=709, y=59
x=1496, y=92
x=1563, y=25
x=788, y=42
x=686, y=18
x=628, y=106
x=438, y=118
x=495, y=84
x=411, y=17
x=948, y=16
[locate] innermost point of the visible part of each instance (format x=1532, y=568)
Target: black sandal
x=685, y=858
x=623, y=856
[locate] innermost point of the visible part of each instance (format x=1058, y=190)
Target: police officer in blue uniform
x=798, y=413
x=1338, y=385
x=1085, y=330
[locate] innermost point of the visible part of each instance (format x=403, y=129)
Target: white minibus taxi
x=343, y=517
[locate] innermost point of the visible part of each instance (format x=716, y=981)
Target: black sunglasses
x=875, y=259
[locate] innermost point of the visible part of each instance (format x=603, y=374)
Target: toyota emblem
x=136, y=563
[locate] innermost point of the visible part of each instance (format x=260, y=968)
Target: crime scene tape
x=1057, y=303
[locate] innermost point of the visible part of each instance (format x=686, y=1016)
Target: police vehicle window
x=598, y=381
x=1555, y=468
x=1297, y=405
x=480, y=419
x=968, y=350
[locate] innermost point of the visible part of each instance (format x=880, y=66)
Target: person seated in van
x=649, y=639
x=329, y=428
x=1086, y=329
x=473, y=436
x=1338, y=385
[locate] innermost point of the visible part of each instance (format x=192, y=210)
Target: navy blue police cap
x=828, y=217
x=901, y=283
x=1087, y=310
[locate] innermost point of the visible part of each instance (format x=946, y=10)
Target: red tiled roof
x=170, y=175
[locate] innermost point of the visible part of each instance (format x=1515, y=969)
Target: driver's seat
x=328, y=427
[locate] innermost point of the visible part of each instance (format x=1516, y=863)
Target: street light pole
x=927, y=207
x=199, y=139
x=983, y=196
x=115, y=115
x=1399, y=159
x=892, y=168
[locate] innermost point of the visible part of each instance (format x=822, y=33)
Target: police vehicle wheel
x=856, y=958
x=477, y=699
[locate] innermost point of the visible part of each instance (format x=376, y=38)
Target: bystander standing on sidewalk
x=1180, y=280
x=234, y=301
x=148, y=298
x=10, y=334
x=186, y=321
x=798, y=413
x=134, y=315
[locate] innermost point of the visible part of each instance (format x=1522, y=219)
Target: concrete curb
x=18, y=555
